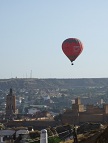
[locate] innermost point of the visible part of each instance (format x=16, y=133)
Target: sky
x=32, y=32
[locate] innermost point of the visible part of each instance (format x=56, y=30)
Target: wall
x=37, y=125
x=91, y=118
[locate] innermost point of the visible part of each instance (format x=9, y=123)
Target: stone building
x=10, y=104
x=80, y=114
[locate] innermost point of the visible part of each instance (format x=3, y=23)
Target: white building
x=46, y=97
x=33, y=111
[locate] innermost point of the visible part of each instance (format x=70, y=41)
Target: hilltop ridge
x=52, y=83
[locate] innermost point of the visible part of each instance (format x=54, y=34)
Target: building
x=10, y=104
x=77, y=106
x=80, y=114
x=33, y=111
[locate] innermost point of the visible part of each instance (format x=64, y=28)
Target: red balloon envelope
x=72, y=48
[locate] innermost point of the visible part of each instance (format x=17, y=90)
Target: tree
x=54, y=140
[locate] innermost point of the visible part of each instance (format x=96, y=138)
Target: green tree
x=54, y=140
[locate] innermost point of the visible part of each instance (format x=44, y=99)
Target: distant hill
x=34, y=83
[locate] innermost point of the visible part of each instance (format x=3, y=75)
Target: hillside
x=94, y=136
x=34, y=83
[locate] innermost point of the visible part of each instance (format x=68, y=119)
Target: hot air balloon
x=72, y=48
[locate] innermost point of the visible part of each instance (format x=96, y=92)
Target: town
x=35, y=106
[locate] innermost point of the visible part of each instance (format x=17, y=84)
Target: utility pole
x=75, y=135
x=31, y=74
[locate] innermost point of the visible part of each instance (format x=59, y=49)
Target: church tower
x=10, y=103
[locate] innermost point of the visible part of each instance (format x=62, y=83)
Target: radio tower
x=31, y=74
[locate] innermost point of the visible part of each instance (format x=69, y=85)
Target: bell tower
x=10, y=103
